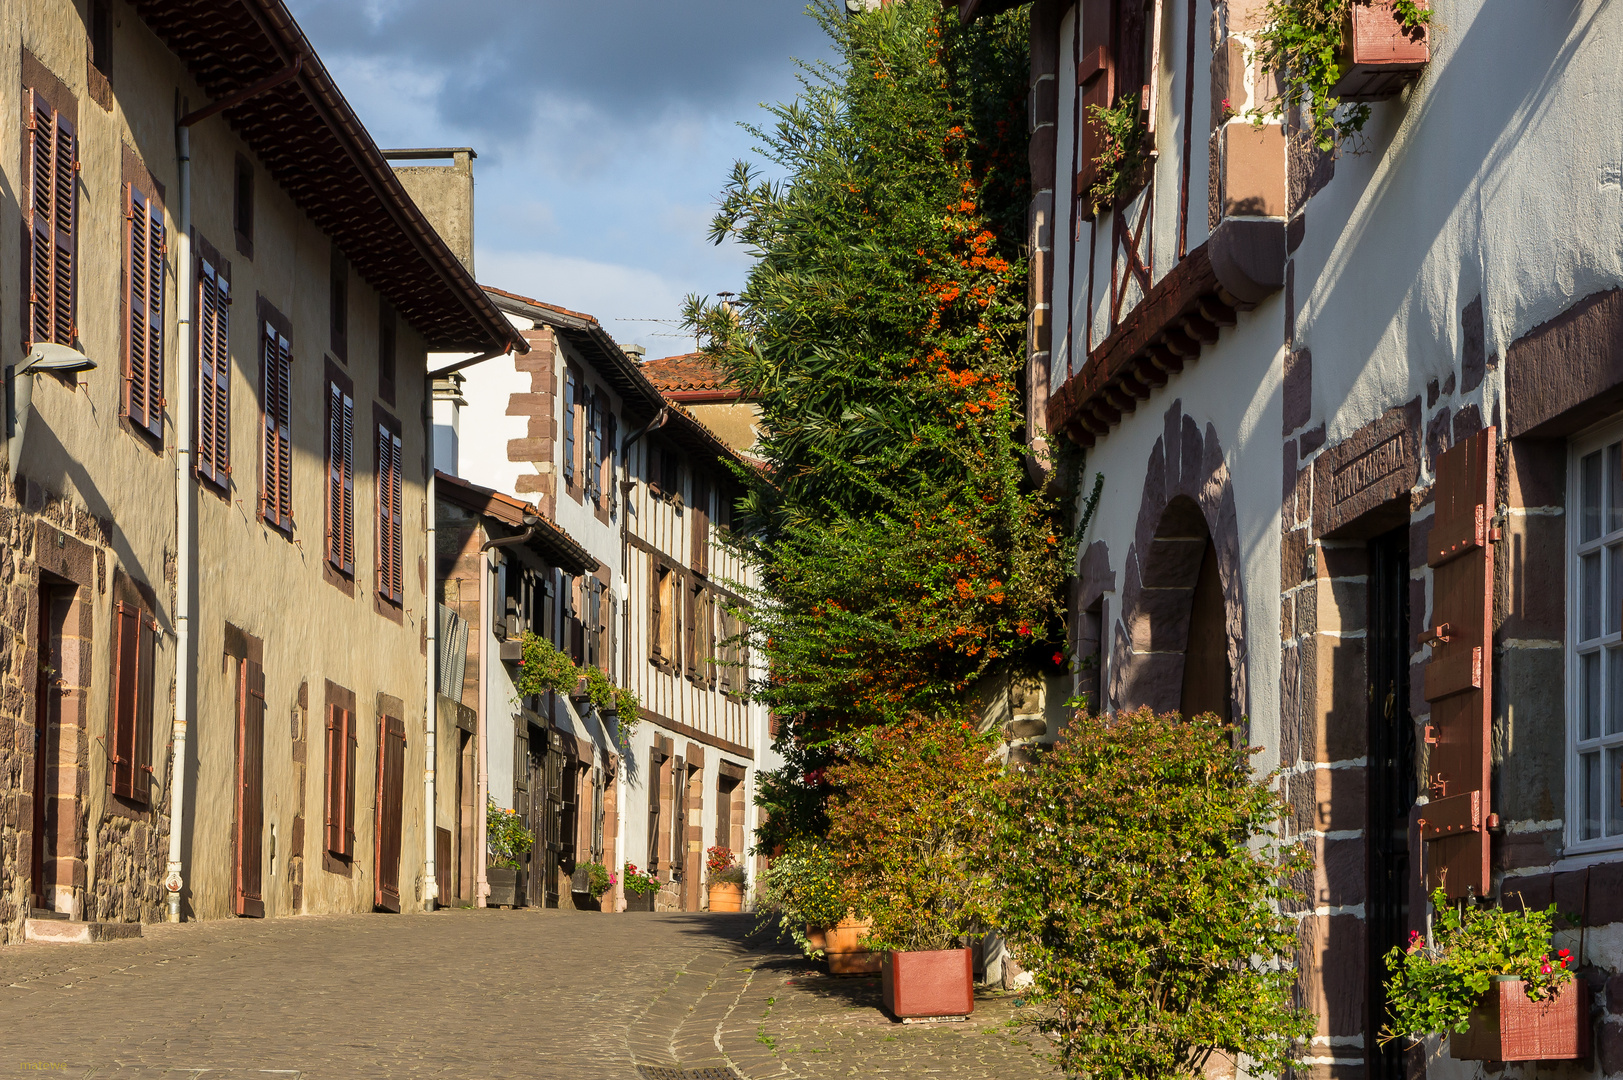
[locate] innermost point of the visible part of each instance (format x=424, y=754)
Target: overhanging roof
x=549, y=540
x=316, y=149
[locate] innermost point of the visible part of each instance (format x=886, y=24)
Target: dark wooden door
x=553, y=847
x=44, y=688
x=248, y=892
x=467, y=821
x=390, y=810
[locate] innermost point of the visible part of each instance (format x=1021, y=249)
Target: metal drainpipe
x=482, y=886
x=431, y=611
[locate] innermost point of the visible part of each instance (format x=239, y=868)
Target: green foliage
x=793, y=796
x=598, y=879
x=881, y=331
x=909, y=823
x=1434, y=985
x=1121, y=152
x=802, y=888
x=506, y=838
x=1300, y=44
x=545, y=669
x=640, y=882
x=1140, y=883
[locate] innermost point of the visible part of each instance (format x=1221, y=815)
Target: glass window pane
x=1590, y=584
x=1590, y=468
x=1589, y=788
x=1614, y=487
x=1614, y=792
x=1614, y=691
x=1589, y=696
x=1614, y=588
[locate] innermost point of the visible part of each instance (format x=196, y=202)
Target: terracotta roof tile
x=687, y=372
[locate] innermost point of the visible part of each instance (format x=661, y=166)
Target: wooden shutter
x=701, y=523
x=143, y=310
x=213, y=374
x=52, y=223
x=611, y=494
x=1459, y=676
x=594, y=444
x=126, y=678
x=249, y=885
x=276, y=466
x=1095, y=74
x=570, y=394
x=390, y=811
x=390, y=538
x=690, y=630
x=656, y=614
x=340, y=479
x=340, y=781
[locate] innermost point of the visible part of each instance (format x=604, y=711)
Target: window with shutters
x=339, y=787
x=213, y=337
x=664, y=622
x=700, y=560
x=701, y=635
x=391, y=548
x=144, y=249
x=1118, y=56
x=594, y=444
x=1595, y=640
x=129, y=739
x=610, y=498
x=340, y=478
x=338, y=305
x=594, y=622
x=276, y=428
x=571, y=391
x=51, y=223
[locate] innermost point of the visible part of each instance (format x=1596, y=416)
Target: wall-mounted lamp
x=45, y=357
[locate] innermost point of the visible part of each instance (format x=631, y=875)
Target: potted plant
x=1490, y=977
x=641, y=885
x=726, y=879
x=909, y=826
x=587, y=885
x=801, y=891
x=506, y=839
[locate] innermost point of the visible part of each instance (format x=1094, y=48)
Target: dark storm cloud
x=630, y=60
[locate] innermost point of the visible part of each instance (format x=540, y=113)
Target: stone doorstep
x=71, y=932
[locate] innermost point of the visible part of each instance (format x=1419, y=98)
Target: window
x=610, y=499
x=242, y=211
x=52, y=224
x=701, y=635
x=594, y=444
x=213, y=367
x=340, y=305
x=594, y=622
x=665, y=608
x=574, y=644
x=340, y=479
x=340, y=781
x=570, y=389
x=701, y=523
x=732, y=655
x=391, y=549
x=386, y=352
x=130, y=740
x=101, y=36
x=276, y=397
x=1595, y=657
x=143, y=310
x=665, y=469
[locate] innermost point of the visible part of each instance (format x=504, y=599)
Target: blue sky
x=605, y=130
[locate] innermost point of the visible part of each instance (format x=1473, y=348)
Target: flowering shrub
x=1140, y=881
x=910, y=827
x=640, y=881
x=802, y=888
x=722, y=865
x=506, y=838
x=1434, y=985
x=1121, y=158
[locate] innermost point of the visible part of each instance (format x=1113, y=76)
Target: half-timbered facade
x=1356, y=417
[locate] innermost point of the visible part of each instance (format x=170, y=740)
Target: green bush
x=545, y=669
x=1140, y=876
x=802, y=888
x=506, y=838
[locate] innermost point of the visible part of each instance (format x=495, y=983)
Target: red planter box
x=1379, y=56
x=925, y=984
x=1505, y=1026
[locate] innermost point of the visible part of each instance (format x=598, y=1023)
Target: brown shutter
x=41, y=213
x=701, y=523
x=335, y=782
x=351, y=741
x=1095, y=74
x=390, y=810
x=656, y=615
x=135, y=307
x=1459, y=677
x=347, y=418
x=213, y=375
x=390, y=554
x=397, y=540
x=249, y=890
x=335, y=474
x=141, y=748
x=64, y=276
x=690, y=629
x=611, y=493
x=284, y=432
x=126, y=691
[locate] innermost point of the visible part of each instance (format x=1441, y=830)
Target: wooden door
x=390, y=810
x=467, y=820
x=248, y=891
x=1454, y=822
x=44, y=688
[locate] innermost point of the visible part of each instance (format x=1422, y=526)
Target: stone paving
x=469, y=994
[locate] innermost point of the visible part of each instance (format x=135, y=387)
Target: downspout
x=431, y=612
x=482, y=886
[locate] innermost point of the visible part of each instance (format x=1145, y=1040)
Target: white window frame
x=1595, y=440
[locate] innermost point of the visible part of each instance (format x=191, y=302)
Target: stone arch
x=1182, y=570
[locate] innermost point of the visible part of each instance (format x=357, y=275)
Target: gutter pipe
x=482, y=887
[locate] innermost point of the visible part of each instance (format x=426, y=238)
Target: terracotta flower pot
x=817, y=937
x=726, y=896
x=927, y=984
x=1378, y=56
x=845, y=951
x=1505, y=1026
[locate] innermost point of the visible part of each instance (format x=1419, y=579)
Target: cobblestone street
x=469, y=994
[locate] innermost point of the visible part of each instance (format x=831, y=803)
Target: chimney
x=440, y=182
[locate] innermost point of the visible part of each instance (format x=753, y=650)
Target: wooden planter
x=636, y=901
x=1378, y=56
x=844, y=949
x=506, y=887
x=1505, y=1026
x=726, y=896
x=919, y=985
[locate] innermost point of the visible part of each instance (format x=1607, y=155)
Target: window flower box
x=1506, y=1026
x=506, y=887
x=1379, y=55
x=922, y=985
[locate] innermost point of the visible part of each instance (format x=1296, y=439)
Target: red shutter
x=1095, y=74
x=126, y=696
x=249, y=888
x=390, y=811
x=1459, y=677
